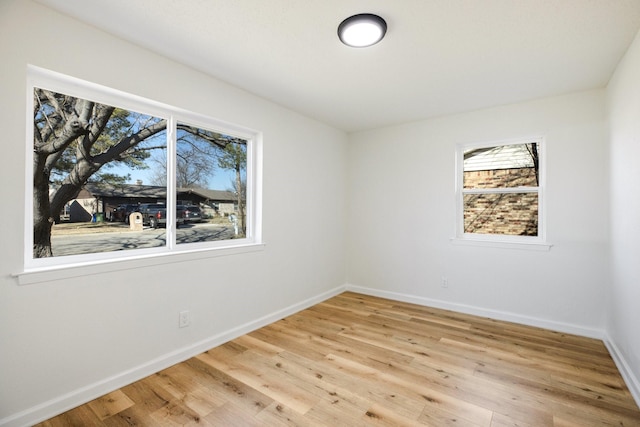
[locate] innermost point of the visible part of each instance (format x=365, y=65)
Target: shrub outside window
x=113, y=176
x=499, y=191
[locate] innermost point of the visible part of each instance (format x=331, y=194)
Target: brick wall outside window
x=504, y=214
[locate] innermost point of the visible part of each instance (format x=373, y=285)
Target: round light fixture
x=362, y=30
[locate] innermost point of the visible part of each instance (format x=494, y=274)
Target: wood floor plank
x=110, y=404
x=80, y=416
x=258, y=345
x=251, y=372
x=358, y=360
x=279, y=415
x=231, y=415
x=240, y=395
x=417, y=389
x=174, y=414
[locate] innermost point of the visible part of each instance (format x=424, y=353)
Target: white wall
x=623, y=323
x=60, y=336
x=402, y=213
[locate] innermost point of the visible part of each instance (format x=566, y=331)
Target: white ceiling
x=438, y=57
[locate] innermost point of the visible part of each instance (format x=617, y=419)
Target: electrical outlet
x=183, y=319
x=444, y=282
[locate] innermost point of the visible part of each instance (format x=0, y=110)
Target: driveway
x=118, y=239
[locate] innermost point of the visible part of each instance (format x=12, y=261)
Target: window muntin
x=60, y=105
x=500, y=191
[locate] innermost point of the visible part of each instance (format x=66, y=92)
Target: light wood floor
x=356, y=360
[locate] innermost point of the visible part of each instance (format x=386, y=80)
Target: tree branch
x=211, y=137
x=116, y=151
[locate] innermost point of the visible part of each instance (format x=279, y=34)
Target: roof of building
x=214, y=195
x=126, y=190
x=133, y=191
x=499, y=157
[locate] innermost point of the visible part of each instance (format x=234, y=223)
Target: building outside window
x=500, y=191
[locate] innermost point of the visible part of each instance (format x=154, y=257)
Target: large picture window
x=113, y=176
x=500, y=191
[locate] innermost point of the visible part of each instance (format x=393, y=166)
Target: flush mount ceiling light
x=362, y=30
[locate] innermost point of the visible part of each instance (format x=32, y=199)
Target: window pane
x=86, y=157
x=505, y=214
x=210, y=185
x=503, y=166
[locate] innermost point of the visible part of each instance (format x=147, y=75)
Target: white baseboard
x=483, y=312
x=633, y=383
x=85, y=394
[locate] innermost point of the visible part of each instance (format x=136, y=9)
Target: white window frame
x=42, y=78
x=538, y=242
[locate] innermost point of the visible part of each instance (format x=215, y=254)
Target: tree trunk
x=42, y=221
x=241, y=202
x=536, y=161
x=42, y=238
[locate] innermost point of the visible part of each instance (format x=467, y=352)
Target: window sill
x=533, y=246
x=47, y=274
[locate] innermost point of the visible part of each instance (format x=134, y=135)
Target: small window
x=500, y=191
x=113, y=176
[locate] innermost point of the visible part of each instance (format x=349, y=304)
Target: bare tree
x=73, y=139
x=234, y=157
x=195, y=158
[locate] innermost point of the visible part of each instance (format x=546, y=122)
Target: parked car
x=122, y=212
x=155, y=215
x=191, y=214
